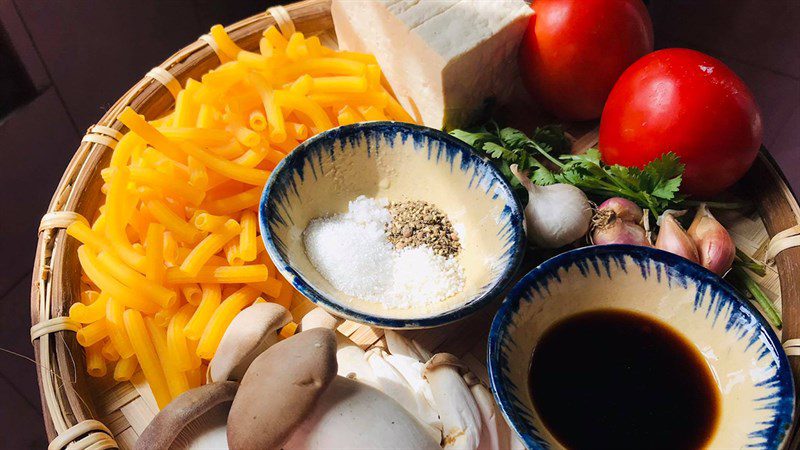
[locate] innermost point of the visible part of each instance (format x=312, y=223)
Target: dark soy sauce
x=617, y=379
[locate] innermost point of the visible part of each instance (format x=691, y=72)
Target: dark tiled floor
x=84, y=54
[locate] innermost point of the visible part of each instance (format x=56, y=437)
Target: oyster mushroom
x=353, y=362
x=408, y=359
x=251, y=332
x=461, y=419
x=399, y=345
x=281, y=389
x=495, y=433
x=194, y=419
x=349, y=356
x=426, y=355
x=350, y=414
x=407, y=389
x=319, y=318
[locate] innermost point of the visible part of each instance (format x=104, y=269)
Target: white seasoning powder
x=421, y=277
x=352, y=252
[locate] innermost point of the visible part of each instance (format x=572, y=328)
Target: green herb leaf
x=667, y=189
x=590, y=158
x=667, y=166
x=655, y=187
x=553, y=138
x=542, y=176
x=513, y=138
x=494, y=150
x=473, y=139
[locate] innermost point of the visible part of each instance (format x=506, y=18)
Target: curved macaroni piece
x=116, y=328
x=100, y=276
x=92, y=312
x=232, y=253
x=210, y=300
x=257, y=121
x=286, y=99
x=220, y=274
x=93, y=333
x=209, y=246
x=237, y=202
x=177, y=345
x=95, y=363
x=146, y=355
x=177, y=383
x=222, y=317
x=247, y=238
x=182, y=230
x=125, y=368
x=109, y=352
x=132, y=279
x=154, y=254
x=192, y=293
x=224, y=42
x=202, y=220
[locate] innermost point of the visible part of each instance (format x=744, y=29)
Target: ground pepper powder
x=416, y=223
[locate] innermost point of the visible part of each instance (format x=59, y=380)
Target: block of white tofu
x=446, y=60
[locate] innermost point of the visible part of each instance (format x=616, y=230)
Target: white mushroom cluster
x=318, y=390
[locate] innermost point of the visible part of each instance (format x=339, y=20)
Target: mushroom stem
x=399, y=345
x=495, y=433
x=461, y=418
x=353, y=362
x=397, y=386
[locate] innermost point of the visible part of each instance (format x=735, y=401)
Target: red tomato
x=686, y=102
x=574, y=51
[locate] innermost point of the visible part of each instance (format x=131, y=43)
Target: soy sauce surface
x=617, y=379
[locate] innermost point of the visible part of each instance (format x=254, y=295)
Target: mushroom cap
x=351, y=414
x=172, y=422
x=319, y=318
x=281, y=388
x=251, y=332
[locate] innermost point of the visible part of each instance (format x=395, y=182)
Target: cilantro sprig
x=655, y=187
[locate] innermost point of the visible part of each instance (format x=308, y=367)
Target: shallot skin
x=674, y=239
x=714, y=244
x=624, y=209
x=617, y=221
x=620, y=232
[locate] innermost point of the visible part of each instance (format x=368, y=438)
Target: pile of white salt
x=352, y=252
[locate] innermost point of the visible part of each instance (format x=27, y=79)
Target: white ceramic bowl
x=743, y=353
x=400, y=162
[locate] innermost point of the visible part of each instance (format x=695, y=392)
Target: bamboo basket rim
x=67, y=410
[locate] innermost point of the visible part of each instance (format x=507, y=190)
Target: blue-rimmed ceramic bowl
x=399, y=162
x=742, y=351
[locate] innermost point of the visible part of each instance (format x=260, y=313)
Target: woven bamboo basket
x=82, y=412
